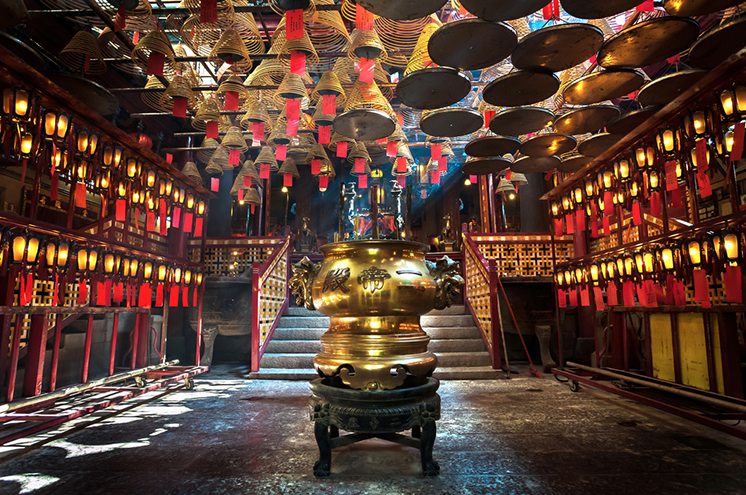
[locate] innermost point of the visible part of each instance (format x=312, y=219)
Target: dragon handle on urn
x=448, y=281
x=304, y=272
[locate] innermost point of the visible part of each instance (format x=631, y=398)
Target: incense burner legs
x=381, y=414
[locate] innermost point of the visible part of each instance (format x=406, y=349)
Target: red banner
x=733, y=282
x=342, y=149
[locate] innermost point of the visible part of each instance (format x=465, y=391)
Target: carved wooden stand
x=375, y=414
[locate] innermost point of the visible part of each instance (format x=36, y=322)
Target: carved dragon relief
x=300, y=283
x=448, y=280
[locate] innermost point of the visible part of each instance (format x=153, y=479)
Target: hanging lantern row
x=681, y=152
x=82, y=158
x=110, y=277
x=658, y=274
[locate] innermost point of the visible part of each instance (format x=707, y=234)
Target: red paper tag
x=366, y=69
x=257, y=133
x=185, y=296
x=559, y=227
x=579, y=220
x=646, y=6
x=391, y=149
x=155, y=64
x=342, y=149
x=701, y=153
x=594, y=228
x=323, y=182
x=325, y=134
x=169, y=158
x=162, y=212
x=561, y=298
x=628, y=293
x=145, y=298
x=402, y=180
x=198, y=227
x=608, y=203
x=703, y=181
x=180, y=107
x=651, y=293
x=733, y=282
x=435, y=177
x=359, y=166
x=569, y=224
x=671, y=180
x=329, y=104
x=120, y=210
x=281, y=152
x=159, y=295
x=315, y=166
x=54, y=194
x=636, y=213
x=598, y=298
x=264, y=170
x=188, y=221
x=173, y=295
x=679, y=293
x=607, y=226
x=362, y=181
x=436, y=151
x=612, y=295
x=488, y=114
x=287, y=180
x=118, y=295
x=738, y=135
x=82, y=292
x=573, y=295
x=234, y=157
x=585, y=297
x=443, y=166
x=294, y=24
x=247, y=182
x=211, y=129
x=150, y=221
x=80, y=196
x=655, y=203
x=401, y=165
x=297, y=62
x=676, y=198
x=363, y=18
x=176, y=217
x=231, y=101
x=701, y=287
x=214, y=184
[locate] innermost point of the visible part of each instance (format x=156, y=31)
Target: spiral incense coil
x=327, y=168
x=279, y=132
x=320, y=118
x=206, y=111
x=403, y=151
x=269, y=72
x=368, y=95
x=233, y=83
x=257, y=112
x=191, y=171
x=209, y=145
x=248, y=169
x=304, y=44
x=289, y=167
x=420, y=58
x=140, y=18
x=266, y=155
x=520, y=26
x=309, y=12
x=400, y=37
x=154, y=41
x=112, y=46
x=291, y=87
x=398, y=135
x=230, y=49
x=328, y=33
x=359, y=150
x=234, y=140
x=338, y=138
x=154, y=99
x=329, y=84
x=83, y=55
x=194, y=6
x=410, y=116
x=245, y=24
x=218, y=162
x=237, y=184
x=252, y=196
x=603, y=25
x=317, y=152
x=179, y=87
x=366, y=44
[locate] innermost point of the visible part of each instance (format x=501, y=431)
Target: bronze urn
x=374, y=292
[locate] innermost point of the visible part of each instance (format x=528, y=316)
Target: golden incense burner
x=374, y=292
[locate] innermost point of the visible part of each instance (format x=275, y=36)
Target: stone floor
x=523, y=436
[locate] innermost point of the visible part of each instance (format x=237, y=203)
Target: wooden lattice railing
x=269, y=298
x=529, y=257
x=234, y=257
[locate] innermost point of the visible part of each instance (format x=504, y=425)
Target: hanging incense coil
x=179, y=87
x=154, y=42
x=303, y=45
x=206, y=111
x=329, y=84
x=230, y=49
x=266, y=155
x=140, y=18
x=279, y=136
x=366, y=44
x=237, y=185
x=219, y=158
x=403, y=151
x=248, y=169
x=401, y=37
x=208, y=145
x=192, y=173
x=327, y=168
x=223, y=7
x=233, y=83
x=154, y=99
x=213, y=168
x=83, y=55
x=398, y=135
x=234, y=140
x=252, y=196
x=320, y=118
x=410, y=117
x=292, y=87
x=420, y=58
x=359, y=150
x=339, y=138
x=310, y=11
x=348, y=10
x=328, y=33
x=368, y=95
x=112, y=46
x=257, y=112
x=317, y=152
x=289, y=167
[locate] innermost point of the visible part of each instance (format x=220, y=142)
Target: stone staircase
x=454, y=339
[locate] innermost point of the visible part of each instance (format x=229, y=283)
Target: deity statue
x=305, y=242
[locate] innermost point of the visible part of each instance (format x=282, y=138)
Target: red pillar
x=37, y=345
x=140, y=347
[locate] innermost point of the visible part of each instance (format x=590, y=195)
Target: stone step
x=305, y=359
x=470, y=332
x=452, y=310
x=436, y=346
x=426, y=321
x=304, y=322
x=455, y=373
